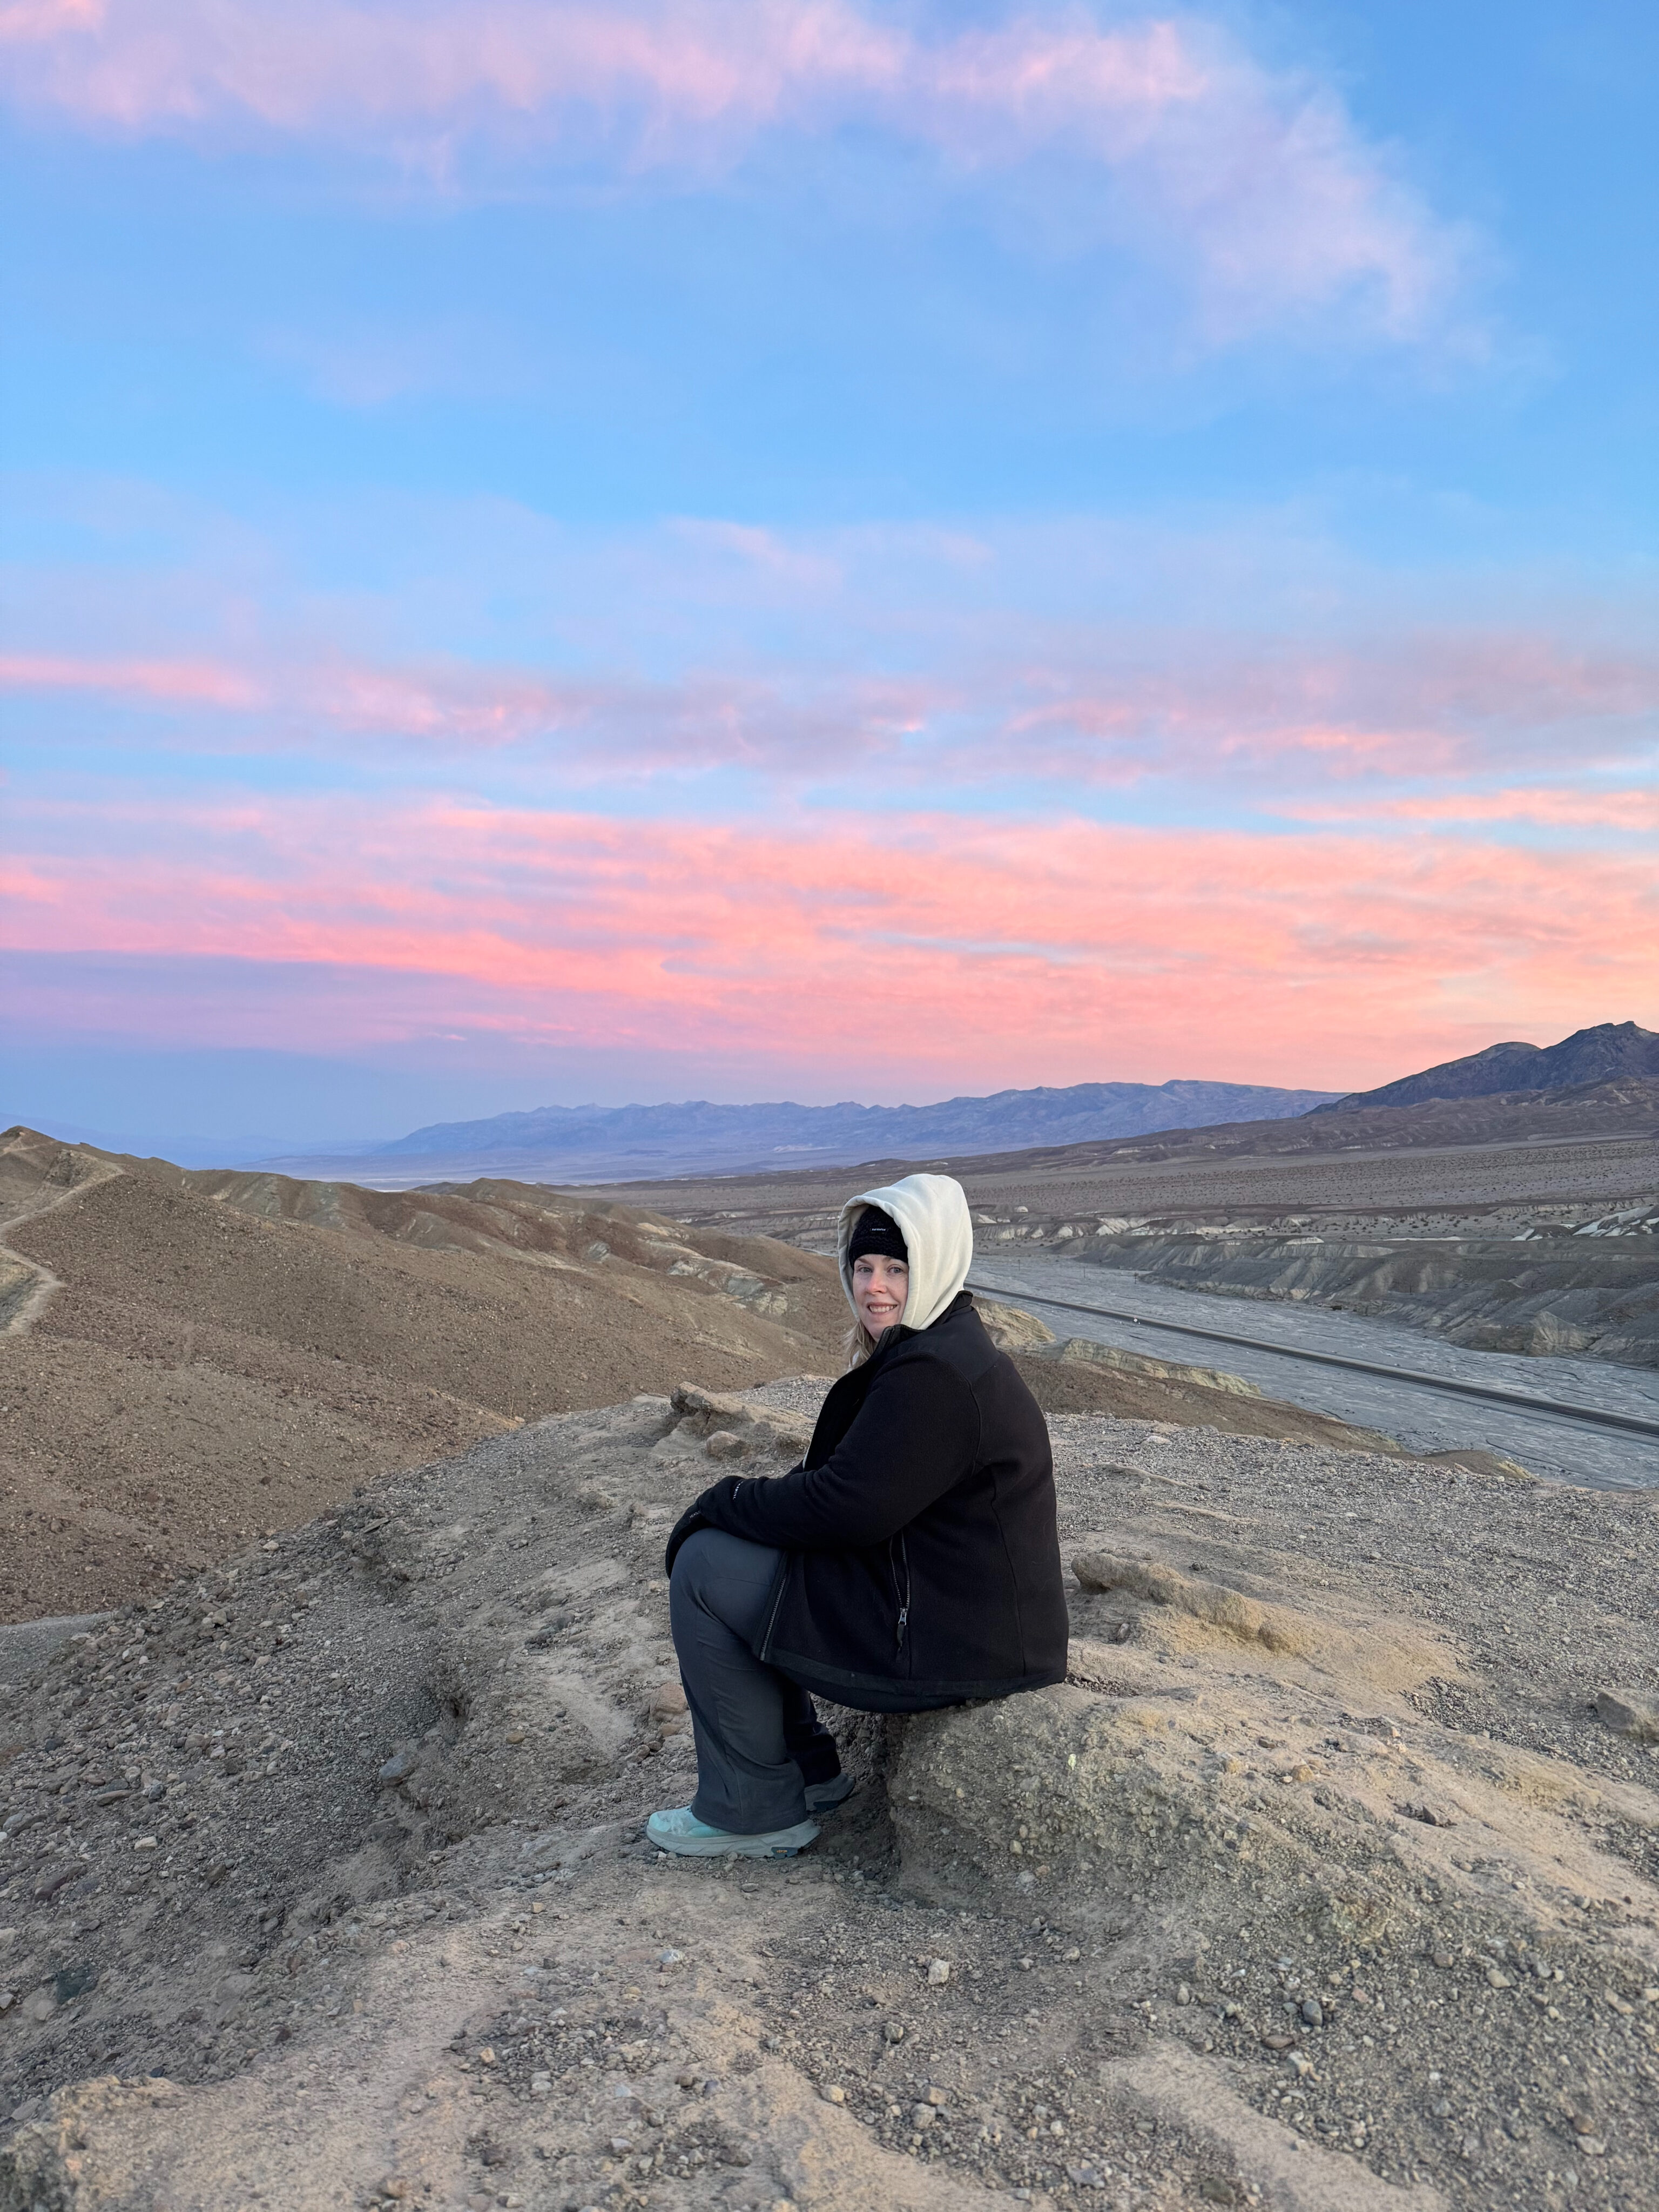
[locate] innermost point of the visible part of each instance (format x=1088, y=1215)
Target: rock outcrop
x=1595, y=1294
x=731, y=1426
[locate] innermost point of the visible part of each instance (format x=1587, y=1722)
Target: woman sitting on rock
x=911, y=1560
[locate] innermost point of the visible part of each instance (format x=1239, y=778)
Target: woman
x=910, y=1561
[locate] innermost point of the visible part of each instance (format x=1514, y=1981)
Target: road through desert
x=1563, y=1451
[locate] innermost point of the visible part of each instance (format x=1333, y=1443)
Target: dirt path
x=26, y=1285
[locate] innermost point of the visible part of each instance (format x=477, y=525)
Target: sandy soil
x=1328, y=1884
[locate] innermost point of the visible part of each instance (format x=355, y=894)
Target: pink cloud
x=1046, y=953
x=27, y=20
x=1258, y=178
x=1131, y=736
x=1633, y=810
x=178, y=683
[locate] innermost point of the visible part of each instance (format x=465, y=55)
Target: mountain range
x=603, y=1144
x=577, y=1144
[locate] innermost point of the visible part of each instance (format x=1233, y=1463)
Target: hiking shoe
x=824, y=1796
x=689, y=1837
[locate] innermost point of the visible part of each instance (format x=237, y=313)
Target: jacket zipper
x=904, y=1599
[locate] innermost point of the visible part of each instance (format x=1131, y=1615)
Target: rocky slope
x=195, y=1359
x=1328, y=1883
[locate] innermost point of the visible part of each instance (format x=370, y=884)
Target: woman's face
x=880, y=1286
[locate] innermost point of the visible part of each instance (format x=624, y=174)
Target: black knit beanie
x=876, y=1231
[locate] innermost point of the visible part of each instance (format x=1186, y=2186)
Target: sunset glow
x=675, y=548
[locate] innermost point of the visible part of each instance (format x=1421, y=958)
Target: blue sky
x=800, y=549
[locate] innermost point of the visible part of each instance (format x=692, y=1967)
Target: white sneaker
x=689, y=1837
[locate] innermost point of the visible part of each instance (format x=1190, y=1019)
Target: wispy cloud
x=620, y=727
x=1300, y=729
x=1408, y=703
x=1633, y=809
x=1256, y=178
x=896, y=936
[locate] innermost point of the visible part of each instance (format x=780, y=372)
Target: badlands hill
x=192, y=1360
x=1327, y=1882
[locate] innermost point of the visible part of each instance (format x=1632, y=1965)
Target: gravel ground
x=323, y=1882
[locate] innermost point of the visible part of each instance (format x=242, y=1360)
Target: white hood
x=931, y=1212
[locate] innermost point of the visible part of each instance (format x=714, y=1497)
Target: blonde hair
x=858, y=1345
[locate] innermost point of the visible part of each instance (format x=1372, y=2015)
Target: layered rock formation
x=1593, y=1292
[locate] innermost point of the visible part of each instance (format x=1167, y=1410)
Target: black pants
x=759, y=1741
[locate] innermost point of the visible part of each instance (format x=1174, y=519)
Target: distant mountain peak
x=1592, y=1055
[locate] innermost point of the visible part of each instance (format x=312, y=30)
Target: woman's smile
x=880, y=1287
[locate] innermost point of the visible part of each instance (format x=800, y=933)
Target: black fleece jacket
x=922, y=1560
